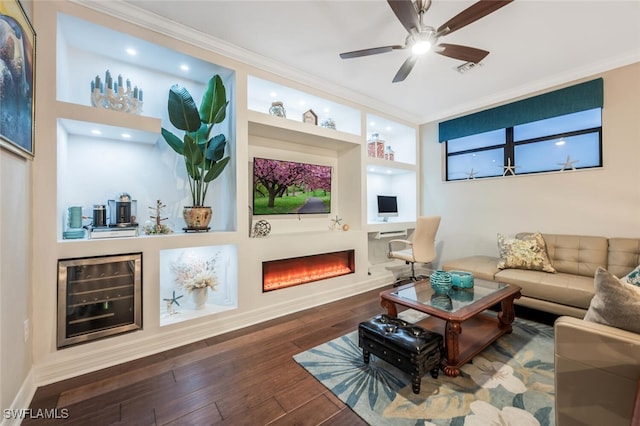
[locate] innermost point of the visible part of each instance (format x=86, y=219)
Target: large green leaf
x=214, y=102
x=173, y=141
x=216, y=169
x=183, y=112
x=215, y=149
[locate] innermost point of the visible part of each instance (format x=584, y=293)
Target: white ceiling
x=534, y=44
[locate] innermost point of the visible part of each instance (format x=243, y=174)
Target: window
x=569, y=141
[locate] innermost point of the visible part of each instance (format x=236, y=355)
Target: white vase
x=199, y=297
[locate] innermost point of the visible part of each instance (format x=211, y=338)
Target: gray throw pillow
x=615, y=303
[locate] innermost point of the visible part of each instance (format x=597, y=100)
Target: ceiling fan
x=422, y=38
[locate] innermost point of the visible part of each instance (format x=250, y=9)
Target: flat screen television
x=387, y=206
x=288, y=187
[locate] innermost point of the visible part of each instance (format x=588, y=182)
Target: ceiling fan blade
x=472, y=14
x=371, y=51
x=406, y=13
x=405, y=69
x=464, y=53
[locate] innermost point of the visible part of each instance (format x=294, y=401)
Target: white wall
x=15, y=269
x=603, y=201
x=15, y=274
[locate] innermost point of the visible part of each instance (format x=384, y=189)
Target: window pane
x=482, y=163
x=482, y=140
x=582, y=151
x=558, y=125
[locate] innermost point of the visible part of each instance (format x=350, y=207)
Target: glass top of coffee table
x=456, y=299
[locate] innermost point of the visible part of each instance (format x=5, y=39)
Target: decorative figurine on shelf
x=262, y=228
x=277, y=109
x=115, y=95
x=328, y=123
x=158, y=227
x=310, y=117
x=336, y=224
x=171, y=310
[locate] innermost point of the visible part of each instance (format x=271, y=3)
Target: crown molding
x=137, y=16
x=568, y=77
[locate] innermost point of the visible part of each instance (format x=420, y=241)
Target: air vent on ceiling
x=468, y=66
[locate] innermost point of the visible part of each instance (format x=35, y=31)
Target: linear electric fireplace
x=283, y=273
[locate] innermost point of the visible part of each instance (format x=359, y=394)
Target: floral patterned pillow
x=527, y=252
x=633, y=277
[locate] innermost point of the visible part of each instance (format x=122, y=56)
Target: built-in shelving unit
x=397, y=177
x=102, y=153
x=77, y=166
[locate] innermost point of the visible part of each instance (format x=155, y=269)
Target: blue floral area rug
x=509, y=384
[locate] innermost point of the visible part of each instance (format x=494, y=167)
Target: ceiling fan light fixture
x=421, y=47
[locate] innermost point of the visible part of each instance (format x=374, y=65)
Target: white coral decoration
x=492, y=374
x=195, y=272
x=485, y=414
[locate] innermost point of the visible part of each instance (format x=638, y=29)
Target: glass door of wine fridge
x=98, y=297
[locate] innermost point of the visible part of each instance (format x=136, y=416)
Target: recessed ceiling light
x=389, y=172
x=273, y=94
x=96, y=132
x=125, y=135
x=184, y=67
x=131, y=51
x=326, y=110
x=388, y=128
x=302, y=102
x=372, y=123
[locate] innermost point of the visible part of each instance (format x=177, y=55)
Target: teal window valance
x=579, y=97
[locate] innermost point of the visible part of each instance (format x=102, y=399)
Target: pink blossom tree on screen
x=277, y=177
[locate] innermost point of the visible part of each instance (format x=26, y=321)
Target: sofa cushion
x=632, y=277
x=527, y=251
x=577, y=254
x=615, y=303
x=624, y=255
x=565, y=289
x=483, y=267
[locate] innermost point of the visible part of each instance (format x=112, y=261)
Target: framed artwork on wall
x=17, y=78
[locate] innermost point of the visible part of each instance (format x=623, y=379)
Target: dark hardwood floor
x=245, y=377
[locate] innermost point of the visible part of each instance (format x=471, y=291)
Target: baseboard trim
x=88, y=361
x=20, y=402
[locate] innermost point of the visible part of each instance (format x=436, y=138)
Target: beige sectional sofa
x=575, y=258
x=597, y=366
x=597, y=374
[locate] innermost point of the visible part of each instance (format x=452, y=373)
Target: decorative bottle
x=277, y=109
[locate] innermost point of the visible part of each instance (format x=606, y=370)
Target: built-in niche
x=197, y=281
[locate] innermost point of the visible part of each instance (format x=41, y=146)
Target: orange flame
x=290, y=272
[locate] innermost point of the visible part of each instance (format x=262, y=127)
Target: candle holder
x=116, y=95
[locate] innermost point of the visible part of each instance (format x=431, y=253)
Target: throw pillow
x=527, y=252
x=615, y=302
x=633, y=277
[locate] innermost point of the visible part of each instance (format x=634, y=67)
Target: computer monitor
x=387, y=206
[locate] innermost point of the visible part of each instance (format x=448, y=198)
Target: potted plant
x=203, y=152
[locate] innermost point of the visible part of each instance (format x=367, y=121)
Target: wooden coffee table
x=458, y=309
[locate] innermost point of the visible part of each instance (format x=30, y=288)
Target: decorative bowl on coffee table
x=461, y=279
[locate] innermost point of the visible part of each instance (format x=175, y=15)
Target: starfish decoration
x=336, y=222
x=509, y=168
x=568, y=163
x=471, y=174
x=174, y=299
